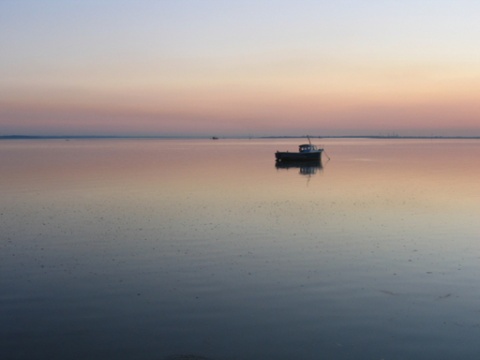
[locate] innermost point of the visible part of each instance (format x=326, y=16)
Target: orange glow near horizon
x=274, y=106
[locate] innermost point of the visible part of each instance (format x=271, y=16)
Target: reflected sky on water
x=145, y=249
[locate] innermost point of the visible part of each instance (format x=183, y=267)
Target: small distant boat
x=214, y=138
x=306, y=152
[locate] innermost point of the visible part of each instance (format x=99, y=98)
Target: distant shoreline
x=85, y=137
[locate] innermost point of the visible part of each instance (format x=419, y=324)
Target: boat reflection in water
x=305, y=167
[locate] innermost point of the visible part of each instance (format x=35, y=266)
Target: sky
x=240, y=68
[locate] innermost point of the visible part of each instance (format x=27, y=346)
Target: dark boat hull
x=285, y=156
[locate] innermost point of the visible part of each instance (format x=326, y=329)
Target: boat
x=306, y=152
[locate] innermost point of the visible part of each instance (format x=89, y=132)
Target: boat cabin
x=307, y=148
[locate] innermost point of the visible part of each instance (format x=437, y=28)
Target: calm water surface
x=158, y=249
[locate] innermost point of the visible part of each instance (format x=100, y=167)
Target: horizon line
x=166, y=137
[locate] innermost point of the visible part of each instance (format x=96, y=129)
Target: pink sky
x=196, y=68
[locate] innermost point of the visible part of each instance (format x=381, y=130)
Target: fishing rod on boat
x=328, y=157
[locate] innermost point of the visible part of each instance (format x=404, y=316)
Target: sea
x=200, y=249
